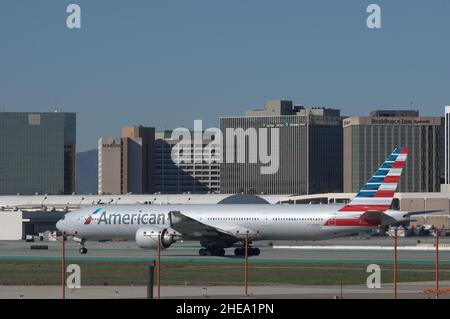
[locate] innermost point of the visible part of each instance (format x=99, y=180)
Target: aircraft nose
x=59, y=225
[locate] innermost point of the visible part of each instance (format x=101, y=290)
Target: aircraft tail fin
x=378, y=193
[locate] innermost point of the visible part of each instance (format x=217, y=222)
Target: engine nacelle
x=147, y=237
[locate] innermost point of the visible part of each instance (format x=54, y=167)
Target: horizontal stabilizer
x=374, y=217
x=423, y=212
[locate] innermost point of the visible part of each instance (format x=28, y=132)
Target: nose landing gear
x=83, y=250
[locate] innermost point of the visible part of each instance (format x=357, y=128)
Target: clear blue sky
x=165, y=63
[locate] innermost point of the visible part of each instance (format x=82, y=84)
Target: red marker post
x=158, y=273
x=437, y=263
x=246, y=266
x=395, y=263
x=63, y=267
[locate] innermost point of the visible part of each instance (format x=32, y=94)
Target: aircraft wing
x=192, y=228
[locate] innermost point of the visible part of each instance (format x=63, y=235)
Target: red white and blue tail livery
x=378, y=193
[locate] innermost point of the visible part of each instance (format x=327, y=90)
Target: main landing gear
x=252, y=251
x=212, y=251
x=220, y=252
x=83, y=250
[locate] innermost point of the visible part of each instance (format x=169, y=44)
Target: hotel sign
x=281, y=125
x=400, y=121
x=391, y=121
x=111, y=145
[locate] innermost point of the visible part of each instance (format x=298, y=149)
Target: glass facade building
x=369, y=140
x=38, y=153
x=175, y=176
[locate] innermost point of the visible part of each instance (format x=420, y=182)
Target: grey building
x=447, y=147
x=310, y=149
x=38, y=152
x=185, y=176
x=369, y=140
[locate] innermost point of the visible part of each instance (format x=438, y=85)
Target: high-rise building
x=140, y=148
x=141, y=162
x=126, y=164
x=368, y=140
x=38, y=152
x=174, y=176
x=110, y=165
x=310, y=150
x=447, y=146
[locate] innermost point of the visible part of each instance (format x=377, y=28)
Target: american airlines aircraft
x=217, y=227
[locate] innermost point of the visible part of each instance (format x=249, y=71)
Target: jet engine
x=147, y=237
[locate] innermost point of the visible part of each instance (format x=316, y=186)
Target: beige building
x=109, y=165
x=126, y=164
x=369, y=140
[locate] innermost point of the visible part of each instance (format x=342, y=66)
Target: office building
x=126, y=163
x=445, y=167
x=173, y=176
x=309, y=145
x=447, y=146
x=141, y=162
x=369, y=140
x=37, y=153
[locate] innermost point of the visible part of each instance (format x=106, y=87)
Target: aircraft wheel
x=256, y=252
x=220, y=252
x=83, y=250
x=239, y=252
x=202, y=252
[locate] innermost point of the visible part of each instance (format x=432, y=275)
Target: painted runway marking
x=365, y=248
x=224, y=260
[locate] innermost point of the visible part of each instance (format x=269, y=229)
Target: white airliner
x=221, y=226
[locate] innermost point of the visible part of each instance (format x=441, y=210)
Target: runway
x=344, y=250
x=335, y=255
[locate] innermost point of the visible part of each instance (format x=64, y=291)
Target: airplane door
x=332, y=220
